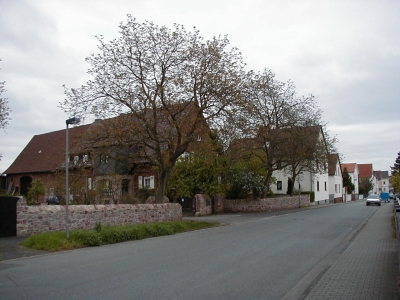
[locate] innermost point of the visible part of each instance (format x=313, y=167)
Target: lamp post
x=71, y=121
x=298, y=180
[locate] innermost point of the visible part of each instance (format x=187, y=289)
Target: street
x=254, y=256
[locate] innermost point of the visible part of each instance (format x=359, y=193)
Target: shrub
x=107, y=234
x=87, y=237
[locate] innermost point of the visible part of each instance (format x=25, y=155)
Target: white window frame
x=146, y=182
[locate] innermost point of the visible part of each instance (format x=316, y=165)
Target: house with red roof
x=104, y=164
x=352, y=169
x=42, y=158
x=367, y=171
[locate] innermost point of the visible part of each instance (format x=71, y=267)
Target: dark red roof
x=46, y=152
x=332, y=162
x=365, y=170
x=351, y=167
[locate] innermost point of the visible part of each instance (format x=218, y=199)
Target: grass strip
x=107, y=234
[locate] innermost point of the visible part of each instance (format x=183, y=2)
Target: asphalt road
x=256, y=256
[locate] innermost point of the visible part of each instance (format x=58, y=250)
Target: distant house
x=367, y=171
x=335, y=179
x=352, y=169
x=382, y=179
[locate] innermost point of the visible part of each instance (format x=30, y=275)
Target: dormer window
x=104, y=159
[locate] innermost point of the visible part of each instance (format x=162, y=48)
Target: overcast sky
x=347, y=53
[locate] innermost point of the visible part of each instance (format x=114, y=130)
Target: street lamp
x=72, y=121
x=298, y=180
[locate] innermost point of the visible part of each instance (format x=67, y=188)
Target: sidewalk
x=367, y=268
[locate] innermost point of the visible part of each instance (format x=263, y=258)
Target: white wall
x=308, y=182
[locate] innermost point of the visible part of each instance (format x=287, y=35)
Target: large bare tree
x=170, y=81
x=4, y=108
x=272, y=113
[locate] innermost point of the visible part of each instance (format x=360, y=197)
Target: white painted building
x=317, y=183
x=335, y=180
x=352, y=169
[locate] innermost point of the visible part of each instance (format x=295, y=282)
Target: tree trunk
x=267, y=182
x=293, y=184
x=163, y=176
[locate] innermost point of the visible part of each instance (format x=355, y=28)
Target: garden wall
x=202, y=205
x=220, y=205
x=267, y=204
x=43, y=218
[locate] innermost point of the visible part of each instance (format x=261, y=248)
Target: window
x=325, y=186
x=317, y=185
x=140, y=183
x=146, y=182
x=90, y=183
x=104, y=159
x=279, y=185
x=335, y=188
x=76, y=160
x=85, y=158
x=107, y=188
x=198, y=137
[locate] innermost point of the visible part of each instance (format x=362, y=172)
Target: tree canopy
x=396, y=167
x=162, y=88
x=281, y=121
x=157, y=75
x=347, y=183
x=365, y=185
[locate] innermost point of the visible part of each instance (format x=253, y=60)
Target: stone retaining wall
x=267, y=204
x=43, y=218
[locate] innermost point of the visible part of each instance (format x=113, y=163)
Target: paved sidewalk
x=368, y=268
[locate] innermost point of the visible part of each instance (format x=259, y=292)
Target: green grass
x=106, y=234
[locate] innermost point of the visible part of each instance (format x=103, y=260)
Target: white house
x=306, y=180
x=335, y=181
x=352, y=169
x=382, y=178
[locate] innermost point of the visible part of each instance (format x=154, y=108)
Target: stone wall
x=267, y=204
x=202, y=205
x=43, y=218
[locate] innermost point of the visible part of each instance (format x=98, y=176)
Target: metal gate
x=8, y=216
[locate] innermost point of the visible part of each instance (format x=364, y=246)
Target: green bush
x=86, y=237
